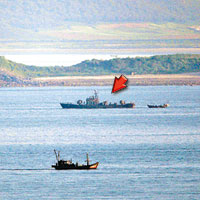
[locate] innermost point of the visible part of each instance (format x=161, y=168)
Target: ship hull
x=76, y=106
x=76, y=167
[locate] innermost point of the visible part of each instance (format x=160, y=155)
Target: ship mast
x=95, y=95
x=96, y=98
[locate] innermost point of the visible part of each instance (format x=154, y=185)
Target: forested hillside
x=35, y=14
x=102, y=24
x=164, y=64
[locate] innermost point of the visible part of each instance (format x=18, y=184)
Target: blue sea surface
x=143, y=153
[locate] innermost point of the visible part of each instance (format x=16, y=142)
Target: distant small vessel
x=158, y=106
x=93, y=103
x=69, y=165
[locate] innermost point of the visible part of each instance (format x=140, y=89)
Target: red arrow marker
x=119, y=83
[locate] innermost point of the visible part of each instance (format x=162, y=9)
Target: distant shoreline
x=110, y=77
x=190, y=79
x=148, y=79
x=160, y=72
x=110, y=51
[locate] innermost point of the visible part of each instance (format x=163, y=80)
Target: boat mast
x=56, y=154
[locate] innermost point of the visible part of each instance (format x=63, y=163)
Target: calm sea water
x=143, y=153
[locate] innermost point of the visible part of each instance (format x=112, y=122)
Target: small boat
x=158, y=106
x=69, y=165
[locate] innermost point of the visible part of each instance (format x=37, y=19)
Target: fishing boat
x=158, y=106
x=69, y=165
x=93, y=103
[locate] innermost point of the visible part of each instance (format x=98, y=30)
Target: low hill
x=162, y=64
x=29, y=71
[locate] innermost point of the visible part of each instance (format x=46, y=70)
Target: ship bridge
x=93, y=100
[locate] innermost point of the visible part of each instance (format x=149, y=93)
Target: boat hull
x=76, y=167
x=158, y=106
x=98, y=106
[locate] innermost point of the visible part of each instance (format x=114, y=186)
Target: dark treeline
x=162, y=64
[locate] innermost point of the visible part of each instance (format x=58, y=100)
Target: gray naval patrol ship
x=93, y=103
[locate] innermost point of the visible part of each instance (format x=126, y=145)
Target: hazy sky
x=59, y=59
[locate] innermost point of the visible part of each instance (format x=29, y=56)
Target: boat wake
x=25, y=169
